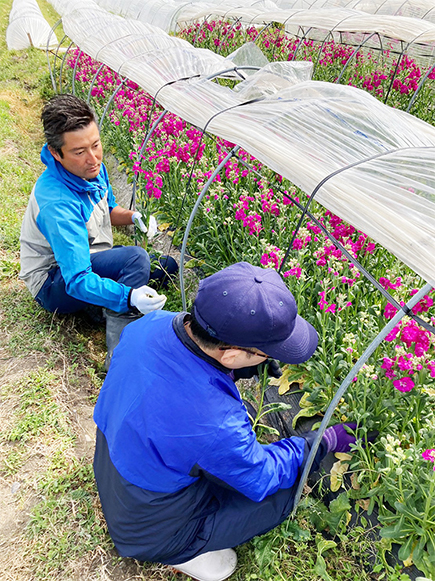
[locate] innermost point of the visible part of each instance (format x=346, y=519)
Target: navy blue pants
x=174, y=528
x=129, y=265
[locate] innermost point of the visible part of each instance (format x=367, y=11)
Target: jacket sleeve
x=255, y=470
x=65, y=229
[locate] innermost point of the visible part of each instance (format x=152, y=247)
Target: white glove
x=152, y=228
x=146, y=299
x=137, y=217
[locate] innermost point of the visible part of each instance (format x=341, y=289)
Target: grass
x=51, y=370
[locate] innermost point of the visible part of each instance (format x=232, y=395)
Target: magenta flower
x=388, y=363
x=389, y=311
x=410, y=334
x=404, y=363
x=429, y=455
x=404, y=384
x=392, y=334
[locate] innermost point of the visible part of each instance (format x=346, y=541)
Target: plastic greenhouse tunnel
x=368, y=163
x=27, y=27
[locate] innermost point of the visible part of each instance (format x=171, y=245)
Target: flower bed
x=250, y=213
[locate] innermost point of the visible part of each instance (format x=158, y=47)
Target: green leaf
x=418, y=550
x=267, y=429
x=396, y=531
x=193, y=262
x=340, y=504
x=304, y=413
x=406, y=549
x=320, y=568
x=296, y=532
x=324, y=545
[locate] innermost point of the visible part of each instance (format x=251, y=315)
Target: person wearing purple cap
x=181, y=476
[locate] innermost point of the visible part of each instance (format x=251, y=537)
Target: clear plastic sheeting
x=249, y=54
x=140, y=52
x=27, y=27
x=423, y=9
x=376, y=164
x=407, y=20
x=307, y=22
x=274, y=77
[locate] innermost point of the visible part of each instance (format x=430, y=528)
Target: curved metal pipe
x=192, y=216
x=420, y=85
x=144, y=144
x=50, y=70
x=228, y=32
x=56, y=56
x=330, y=33
x=300, y=43
x=73, y=86
x=199, y=29
x=88, y=98
x=355, y=52
x=109, y=102
x=395, y=71
x=347, y=381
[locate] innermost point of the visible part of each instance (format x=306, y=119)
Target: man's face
x=242, y=357
x=82, y=152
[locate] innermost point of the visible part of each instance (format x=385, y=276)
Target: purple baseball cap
x=250, y=306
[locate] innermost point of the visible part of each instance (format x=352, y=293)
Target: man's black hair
x=64, y=113
x=204, y=340
x=202, y=337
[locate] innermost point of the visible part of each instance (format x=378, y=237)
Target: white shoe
x=213, y=566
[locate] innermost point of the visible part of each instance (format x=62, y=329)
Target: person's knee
x=167, y=267
x=138, y=253
x=168, y=264
x=136, y=269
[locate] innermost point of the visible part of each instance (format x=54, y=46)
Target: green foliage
x=37, y=411
x=55, y=538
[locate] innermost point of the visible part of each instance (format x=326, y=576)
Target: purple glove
x=337, y=439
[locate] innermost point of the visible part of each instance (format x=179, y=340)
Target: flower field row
x=250, y=213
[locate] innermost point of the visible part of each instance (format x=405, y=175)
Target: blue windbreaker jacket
x=66, y=220
x=167, y=415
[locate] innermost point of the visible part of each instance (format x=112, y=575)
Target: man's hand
x=151, y=231
x=273, y=370
x=152, y=228
x=338, y=438
x=146, y=299
x=136, y=218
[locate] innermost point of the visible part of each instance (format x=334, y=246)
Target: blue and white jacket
x=66, y=220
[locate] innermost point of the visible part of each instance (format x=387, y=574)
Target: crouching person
x=181, y=476
x=68, y=261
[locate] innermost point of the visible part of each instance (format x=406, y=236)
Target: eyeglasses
x=257, y=353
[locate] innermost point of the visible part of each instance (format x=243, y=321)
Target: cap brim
x=298, y=347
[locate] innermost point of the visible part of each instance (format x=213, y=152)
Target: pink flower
x=388, y=363
x=404, y=363
x=389, y=311
x=404, y=384
x=392, y=334
x=429, y=455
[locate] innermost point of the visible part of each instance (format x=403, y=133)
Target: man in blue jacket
x=181, y=476
x=67, y=257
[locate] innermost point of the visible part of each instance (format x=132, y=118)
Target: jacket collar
x=73, y=182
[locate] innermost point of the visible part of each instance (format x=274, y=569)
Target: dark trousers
x=129, y=265
x=142, y=532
